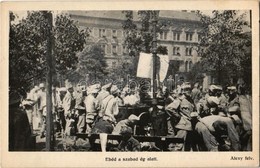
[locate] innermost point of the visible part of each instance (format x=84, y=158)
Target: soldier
x=104, y=92
x=245, y=107
x=68, y=105
x=92, y=106
x=42, y=107
x=184, y=122
x=109, y=106
x=80, y=109
x=28, y=107
x=128, y=143
x=217, y=123
x=196, y=93
x=19, y=127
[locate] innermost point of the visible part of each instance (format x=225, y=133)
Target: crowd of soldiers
x=215, y=119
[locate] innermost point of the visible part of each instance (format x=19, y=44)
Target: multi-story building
x=180, y=36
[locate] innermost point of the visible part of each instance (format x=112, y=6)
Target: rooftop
x=112, y=14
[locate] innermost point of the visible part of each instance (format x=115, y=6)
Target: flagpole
x=48, y=16
x=154, y=51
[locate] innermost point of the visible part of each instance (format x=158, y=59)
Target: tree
x=139, y=36
x=196, y=74
x=27, y=48
x=224, y=47
x=92, y=62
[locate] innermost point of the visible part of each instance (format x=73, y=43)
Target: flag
x=164, y=65
x=144, y=68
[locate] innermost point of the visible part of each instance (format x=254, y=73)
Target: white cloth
x=131, y=100
x=164, y=65
x=144, y=66
x=144, y=69
x=209, y=120
x=110, y=106
x=67, y=103
x=91, y=104
x=42, y=99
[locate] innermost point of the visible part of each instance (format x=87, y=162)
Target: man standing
x=42, y=107
x=19, y=127
x=104, y=92
x=68, y=105
x=196, y=93
x=80, y=109
x=109, y=105
x=92, y=106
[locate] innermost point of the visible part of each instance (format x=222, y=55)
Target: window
x=186, y=66
x=114, y=34
x=113, y=64
x=163, y=35
x=102, y=33
x=188, y=36
x=190, y=65
x=188, y=51
x=124, y=49
x=103, y=46
x=176, y=51
x=114, y=49
x=176, y=36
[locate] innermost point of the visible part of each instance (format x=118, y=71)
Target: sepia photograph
x=132, y=80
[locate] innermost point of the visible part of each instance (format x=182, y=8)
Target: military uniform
x=130, y=145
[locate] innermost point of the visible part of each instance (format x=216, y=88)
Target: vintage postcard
x=130, y=84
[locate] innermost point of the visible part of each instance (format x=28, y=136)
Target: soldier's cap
x=194, y=114
x=233, y=109
x=69, y=85
x=174, y=105
x=28, y=102
x=62, y=89
x=231, y=88
x=114, y=89
x=160, y=107
x=83, y=88
x=133, y=117
x=107, y=86
x=213, y=101
x=93, y=89
x=36, y=88
x=108, y=118
x=125, y=130
x=41, y=85
x=185, y=86
x=215, y=87
x=79, y=107
x=196, y=84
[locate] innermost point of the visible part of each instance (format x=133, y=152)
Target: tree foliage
x=139, y=34
x=224, y=47
x=196, y=74
x=27, y=47
x=92, y=62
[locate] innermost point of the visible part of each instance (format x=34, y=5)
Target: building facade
x=180, y=36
